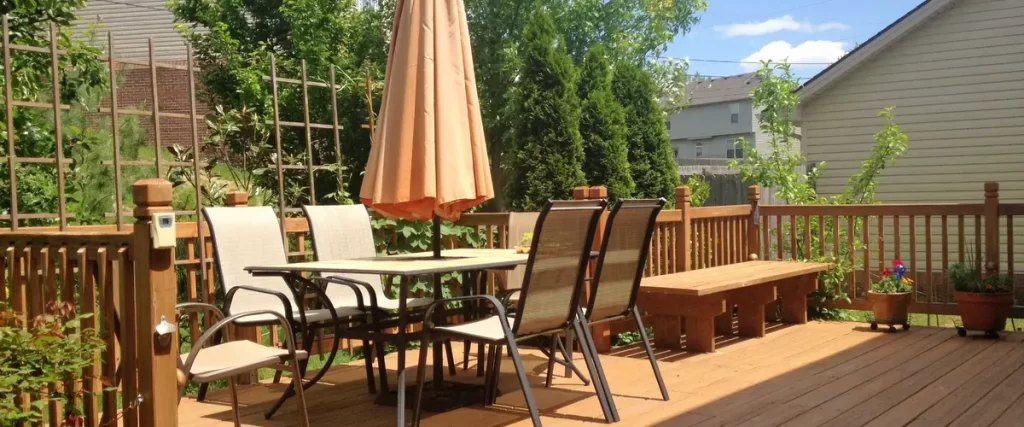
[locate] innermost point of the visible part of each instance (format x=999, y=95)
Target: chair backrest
x=624, y=251
x=343, y=232
x=243, y=237
x=556, y=265
x=518, y=223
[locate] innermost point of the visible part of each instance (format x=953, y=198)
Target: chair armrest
x=427, y=316
x=198, y=345
x=355, y=285
x=506, y=296
x=284, y=299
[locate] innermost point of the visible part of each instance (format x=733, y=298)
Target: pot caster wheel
x=874, y=326
x=961, y=331
x=992, y=334
x=906, y=326
x=892, y=328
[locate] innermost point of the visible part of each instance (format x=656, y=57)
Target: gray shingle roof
x=722, y=89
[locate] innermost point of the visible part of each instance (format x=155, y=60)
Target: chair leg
x=421, y=372
x=371, y=382
x=592, y=368
x=569, y=365
x=466, y=348
x=298, y=372
x=650, y=355
x=588, y=341
x=567, y=348
x=234, y=401
x=551, y=360
x=480, y=360
x=378, y=349
x=300, y=392
x=523, y=381
x=487, y=378
x=277, y=377
x=451, y=357
x=495, y=370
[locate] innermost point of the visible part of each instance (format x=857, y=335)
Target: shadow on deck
x=835, y=374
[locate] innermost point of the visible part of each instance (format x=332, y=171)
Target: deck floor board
x=821, y=373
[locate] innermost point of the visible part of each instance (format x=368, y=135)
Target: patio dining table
x=470, y=262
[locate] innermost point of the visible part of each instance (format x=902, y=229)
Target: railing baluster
x=913, y=255
x=881, y=242
x=896, y=237
x=778, y=238
x=945, y=258
x=850, y=235
x=928, y=258
x=866, y=236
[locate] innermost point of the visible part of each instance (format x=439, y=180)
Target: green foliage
x=700, y=189
x=893, y=281
x=233, y=41
x=632, y=337
x=968, y=277
x=81, y=77
x=548, y=152
x=651, y=159
x=830, y=286
x=779, y=167
x=603, y=127
x=50, y=349
x=399, y=236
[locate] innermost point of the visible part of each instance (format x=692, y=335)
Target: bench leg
x=752, y=303
x=794, y=299
x=667, y=331
x=723, y=322
x=700, y=334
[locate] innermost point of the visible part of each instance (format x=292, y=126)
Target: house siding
x=711, y=120
x=957, y=84
x=133, y=24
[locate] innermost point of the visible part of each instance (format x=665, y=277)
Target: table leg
x=667, y=331
x=403, y=321
x=440, y=318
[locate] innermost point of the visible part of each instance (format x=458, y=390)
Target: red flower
x=896, y=262
x=886, y=272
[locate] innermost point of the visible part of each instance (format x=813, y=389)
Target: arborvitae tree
x=545, y=111
x=650, y=150
x=603, y=127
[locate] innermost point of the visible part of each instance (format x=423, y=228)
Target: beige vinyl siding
x=957, y=82
x=133, y=23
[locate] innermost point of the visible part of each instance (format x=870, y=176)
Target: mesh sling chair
x=245, y=236
x=620, y=268
x=207, y=362
x=344, y=232
x=547, y=304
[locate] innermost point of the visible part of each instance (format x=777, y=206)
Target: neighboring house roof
x=133, y=23
x=722, y=89
x=865, y=51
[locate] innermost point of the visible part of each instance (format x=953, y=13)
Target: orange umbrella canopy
x=428, y=155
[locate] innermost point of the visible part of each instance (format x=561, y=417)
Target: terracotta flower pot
x=984, y=312
x=890, y=309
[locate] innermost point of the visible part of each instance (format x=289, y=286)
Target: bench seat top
x=723, y=278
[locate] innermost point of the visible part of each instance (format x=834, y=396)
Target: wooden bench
x=705, y=298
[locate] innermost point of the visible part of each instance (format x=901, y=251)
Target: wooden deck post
x=602, y=332
x=754, y=227
x=991, y=228
x=156, y=295
x=236, y=199
x=683, y=236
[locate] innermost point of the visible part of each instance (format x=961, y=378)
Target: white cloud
x=774, y=25
x=817, y=51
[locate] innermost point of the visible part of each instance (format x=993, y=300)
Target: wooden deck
x=828, y=374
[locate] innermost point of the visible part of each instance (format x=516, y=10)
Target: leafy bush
x=50, y=349
x=700, y=189
x=603, y=127
x=967, y=277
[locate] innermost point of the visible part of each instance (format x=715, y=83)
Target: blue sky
x=810, y=31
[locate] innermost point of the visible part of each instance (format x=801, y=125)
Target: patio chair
x=344, y=232
x=620, y=267
x=547, y=304
x=246, y=236
x=208, y=361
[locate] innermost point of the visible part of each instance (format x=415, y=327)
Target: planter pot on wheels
x=983, y=312
x=890, y=309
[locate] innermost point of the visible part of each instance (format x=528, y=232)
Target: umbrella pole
x=441, y=316
x=435, y=239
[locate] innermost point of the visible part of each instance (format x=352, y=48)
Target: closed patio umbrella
x=428, y=158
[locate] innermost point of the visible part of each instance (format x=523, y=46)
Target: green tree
x=548, y=154
x=650, y=151
x=637, y=30
x=233, y=40
x=603, y=127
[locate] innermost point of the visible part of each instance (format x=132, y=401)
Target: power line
x=729, y=61
x=140, y=6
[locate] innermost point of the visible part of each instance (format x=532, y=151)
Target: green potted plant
x=524, y=243
x=50, y=348
x=890, y=297
x=983, y=301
